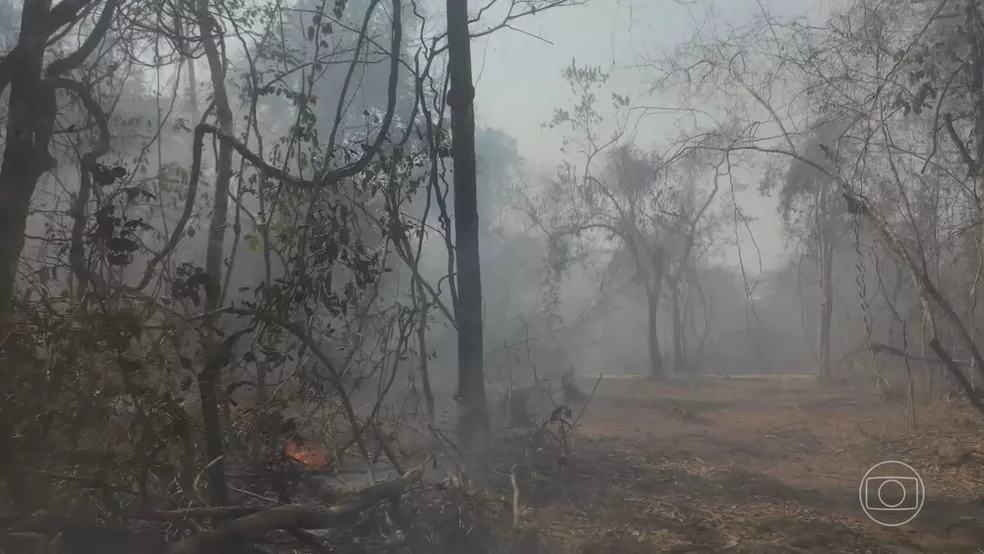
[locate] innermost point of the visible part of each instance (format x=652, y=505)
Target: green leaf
x=253, y=242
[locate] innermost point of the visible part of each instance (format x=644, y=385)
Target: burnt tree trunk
x=25, y=156
x=18, y=177
x=473, y=418
x=826, y=309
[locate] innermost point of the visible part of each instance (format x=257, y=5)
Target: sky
x=519, y=83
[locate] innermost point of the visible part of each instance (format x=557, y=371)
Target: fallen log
x=252, y=524
x=258, y=524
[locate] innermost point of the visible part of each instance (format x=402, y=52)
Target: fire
x=313, y=455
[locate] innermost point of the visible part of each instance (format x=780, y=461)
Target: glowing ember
x=314, y=455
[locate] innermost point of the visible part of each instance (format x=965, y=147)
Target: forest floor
x=757, y=466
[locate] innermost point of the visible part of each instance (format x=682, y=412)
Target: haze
x=680, y=276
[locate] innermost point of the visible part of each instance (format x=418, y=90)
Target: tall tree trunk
x=473, y=417
x=686, y=322
x=976, y=71
x=679, y=328
x=974, y=248
x=655, y=356
x=826, y=308
x=25, y=158
x=25, y=155
x=29, y=127
x=209, y=380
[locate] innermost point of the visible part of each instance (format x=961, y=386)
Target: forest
x=272, y=280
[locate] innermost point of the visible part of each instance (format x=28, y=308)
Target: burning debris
x=312, y=455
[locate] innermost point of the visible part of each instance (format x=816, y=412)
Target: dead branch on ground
x=258, y=524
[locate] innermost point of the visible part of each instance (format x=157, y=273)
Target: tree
x=623, y=197
x=812, y=210
x=689, y=225
x=170, y=288
x=32, y=109
x=31, y=112
x=876, y=71
x=473, y=425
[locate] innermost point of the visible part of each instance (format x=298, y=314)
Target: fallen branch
x=199, y=513
x=259, y=522
x=881, y=348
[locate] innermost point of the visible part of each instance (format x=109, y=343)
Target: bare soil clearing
x=757, y=466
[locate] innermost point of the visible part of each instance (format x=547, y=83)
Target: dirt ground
x=757, y=465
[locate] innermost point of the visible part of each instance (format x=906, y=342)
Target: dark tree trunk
x=25, y=155
x=422, y=348
x=216, y=354
x=214, y=445
x=31, y=112
x=679, y=329
x=473, y=419
x=655, y=356
x=826, y=310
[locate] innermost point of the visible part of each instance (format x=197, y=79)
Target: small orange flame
x=313, y=455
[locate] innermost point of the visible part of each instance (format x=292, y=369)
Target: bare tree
x=473, y=426
x=690, y=224
x=897, y=82
x=621, y=195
